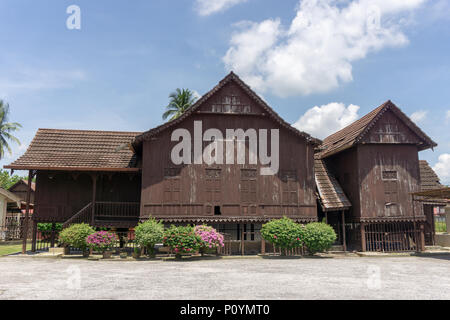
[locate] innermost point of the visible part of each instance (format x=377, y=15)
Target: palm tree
x=6, y=128
x=180, y=101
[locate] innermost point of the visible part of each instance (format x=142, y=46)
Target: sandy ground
x=306, y=278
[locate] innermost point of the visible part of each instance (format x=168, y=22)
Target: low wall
x=442, y=239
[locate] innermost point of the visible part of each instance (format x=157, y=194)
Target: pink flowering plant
x=101, y=241
x=181, y=240
x=210, y=238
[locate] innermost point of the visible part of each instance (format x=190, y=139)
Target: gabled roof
x=331, y=194
x=78, y=150
x=24, y=182
x=353, y=133
x=230, y=77
x=428, y=178
x=10, y=197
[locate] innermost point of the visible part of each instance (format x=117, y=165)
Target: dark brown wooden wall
x=388, y=174
x=65, y=193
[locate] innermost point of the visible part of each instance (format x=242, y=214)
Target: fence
x=391, y=237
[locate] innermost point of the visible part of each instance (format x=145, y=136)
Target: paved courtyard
x=248, y=278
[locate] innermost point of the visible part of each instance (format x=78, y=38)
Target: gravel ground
x=243, y=278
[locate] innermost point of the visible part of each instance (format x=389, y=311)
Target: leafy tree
x=283, y=233
x=6, y=129
x=148, y=234
x=7, y=180
x=180, y=101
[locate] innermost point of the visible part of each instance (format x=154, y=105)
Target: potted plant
x=148, y=234
x=102, y=241
x=211, y=240
x=136, y=253
x=75, y=236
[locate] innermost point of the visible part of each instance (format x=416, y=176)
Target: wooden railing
x=106, y=212
x=114, y=211
x=82, y=216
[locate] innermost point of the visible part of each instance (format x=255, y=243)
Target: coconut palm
x=180, y=101
x=6, y=128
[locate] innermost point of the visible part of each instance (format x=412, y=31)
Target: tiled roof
x=331, y=195
x=230, y=77
x=54, y=149
x=350, y=135
x=428, y=178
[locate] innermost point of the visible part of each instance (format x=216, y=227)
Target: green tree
x=6, y=129
x=180, y=101
x=7, y=180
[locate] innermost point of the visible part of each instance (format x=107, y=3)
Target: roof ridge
x=88, y=130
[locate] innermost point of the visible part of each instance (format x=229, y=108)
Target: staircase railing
x=84, y=215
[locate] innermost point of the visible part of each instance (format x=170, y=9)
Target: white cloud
x=442, y=168
x=419, y=115
x=322, y=121
x=208, y=7
x=316, y=51
x=447, y=116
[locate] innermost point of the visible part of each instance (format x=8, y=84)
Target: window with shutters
x=289, y=187
x=213, y=185
x=248, y=185
x=390, y=192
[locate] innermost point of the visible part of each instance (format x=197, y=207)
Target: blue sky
x=115, y=73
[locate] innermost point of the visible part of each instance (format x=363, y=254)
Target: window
x=248, y=185
x=389, y=175
x=213, y=184
x=172, y=185
x=289, y=187
x=230, y=104
x=217, y=211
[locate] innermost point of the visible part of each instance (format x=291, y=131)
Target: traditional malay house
x=231, y=162
x=375, y=159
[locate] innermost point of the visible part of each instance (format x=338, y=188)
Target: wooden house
x=359, y=180
x=375, y=159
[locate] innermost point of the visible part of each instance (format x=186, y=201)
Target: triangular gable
x=358, y=130
x=258, y=107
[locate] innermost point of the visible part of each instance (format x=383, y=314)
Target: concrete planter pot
x=107, y=255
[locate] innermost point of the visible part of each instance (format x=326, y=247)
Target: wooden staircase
x=107, y=214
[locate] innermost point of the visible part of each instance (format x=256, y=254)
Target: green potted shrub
x=283, y=233
x=182, y=240
x=148, y=234
x=136, y=253
x=102, y=241
x=75, y=236
x=319, y=237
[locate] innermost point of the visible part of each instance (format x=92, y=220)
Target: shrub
x=182, y=240
x=101, y=241
x=283, y=233
x=46, y=229
x=75, y=235
x=319, y=237
x=149, y=233
x=210, y=238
